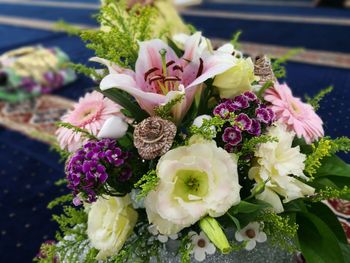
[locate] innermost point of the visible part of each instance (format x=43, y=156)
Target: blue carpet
x=276, y=10
x=83, y=16
x=312, y=36
x=19, y=36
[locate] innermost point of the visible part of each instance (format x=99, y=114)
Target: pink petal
x=149, y=57
x=146, y=100
x=212, y=66
x=191, y=46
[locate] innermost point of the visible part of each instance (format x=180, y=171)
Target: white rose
x=236, y=80
x=194, y=181
x=110, y=222
x=277, y=163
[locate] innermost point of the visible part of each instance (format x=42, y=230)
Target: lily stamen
x=150, y=71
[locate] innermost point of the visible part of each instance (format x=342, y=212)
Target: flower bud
x=212, y=229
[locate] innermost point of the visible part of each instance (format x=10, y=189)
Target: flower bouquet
x=191, y=149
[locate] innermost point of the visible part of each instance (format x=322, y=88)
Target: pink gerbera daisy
x=299, y=117
x=89, y=113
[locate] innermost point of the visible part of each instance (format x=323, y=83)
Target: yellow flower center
x=190, y=182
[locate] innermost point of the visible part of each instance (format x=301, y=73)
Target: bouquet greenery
x=182, y=141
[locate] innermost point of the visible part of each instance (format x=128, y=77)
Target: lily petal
x=149, y=57
x=146, y=100
x=212, y=66
x=112, y=67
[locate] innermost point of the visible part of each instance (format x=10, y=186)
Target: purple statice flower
x=232, y=135
x=241, y=102
x=244, y=120
x=86, y=169
x=250, y=96
x=263, y=115
x=256, y=128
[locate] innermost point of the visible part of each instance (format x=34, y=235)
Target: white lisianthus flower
x=194, y=181
x=236, y=80
x=278, y=163
x=110, y=222
x=252, y=233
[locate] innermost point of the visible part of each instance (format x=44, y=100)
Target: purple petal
x=263, y=115
x=255, y=129
x=241, y=102
x=244, y=120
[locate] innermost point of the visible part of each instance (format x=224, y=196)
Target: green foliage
x=60, y=200
x=121, y=30
x=87, y=71
x=63, y=153
x=318, y=242
x=71, y=30
x=147, y=183
x=330, y=192
x=320, y=151
x=262, y=90
x=324, y=148
x=278, y=65
x=280, y=229
x=185, y=249
x=70, y=217
x=206, y=130
x=246, y=212
x=164, y=111
x=235, y=38
x=126, y=101
x=315, y=101
x=75, y=129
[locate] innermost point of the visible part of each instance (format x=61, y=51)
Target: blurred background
x=28, y=168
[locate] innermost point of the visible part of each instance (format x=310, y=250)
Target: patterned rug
x=35, y=118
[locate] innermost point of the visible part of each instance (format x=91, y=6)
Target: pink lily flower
x=160, y=75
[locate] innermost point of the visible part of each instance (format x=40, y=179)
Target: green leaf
x=126, y=101
x=234, y=220
x=334, y=166
x=346, y=252
x=245, y=207
x=317, y=241
x=322, y=211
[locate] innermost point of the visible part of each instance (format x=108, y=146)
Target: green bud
x=213, y=230
x=258, y=189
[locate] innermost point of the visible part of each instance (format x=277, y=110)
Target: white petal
x=239, y=236
x=261, y=237
x=210, y=249
x=163, y=239
x=226, y=48
x=113, y=128
x=153, y=230
x=272, y=198
x=199, y=254
x=250, y=245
